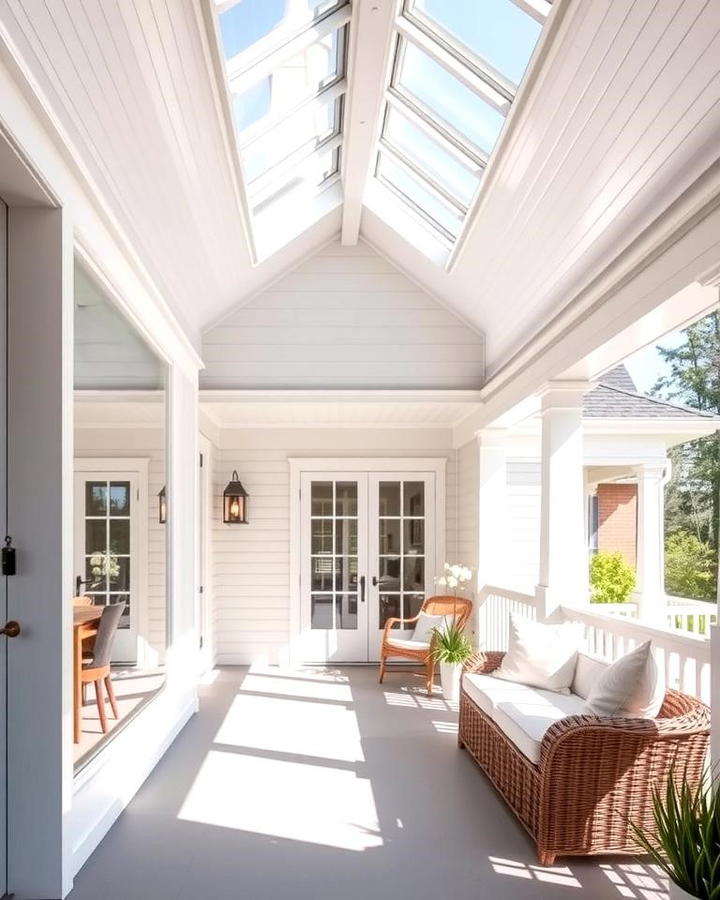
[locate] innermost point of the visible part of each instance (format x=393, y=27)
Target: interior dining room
x=120, y=520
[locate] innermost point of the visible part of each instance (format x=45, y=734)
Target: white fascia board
x=689, y=429
x=369, y=63
x=231, y=395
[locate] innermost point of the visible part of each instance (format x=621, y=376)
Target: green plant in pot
x=687, y=844
x=451, y=648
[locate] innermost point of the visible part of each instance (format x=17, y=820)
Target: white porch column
x=563, y=567
x=650, y=542
x=492, y=503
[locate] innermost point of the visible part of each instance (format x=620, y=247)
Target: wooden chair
x=96, y=668
x=457, y=607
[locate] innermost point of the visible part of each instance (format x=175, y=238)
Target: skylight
x=285, y=63
x=456, y=70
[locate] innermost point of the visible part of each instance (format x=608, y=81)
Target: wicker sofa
x=592, y=776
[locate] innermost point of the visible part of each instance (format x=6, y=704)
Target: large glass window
x=456, y=70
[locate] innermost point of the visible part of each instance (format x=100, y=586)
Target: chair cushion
x=632, y=686
x=587, y=671
x=403, y=644
x=425, y=626
x=540, y=655
x=522, y=713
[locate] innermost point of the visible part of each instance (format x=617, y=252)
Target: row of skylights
x=285, y=63
x=456, y=70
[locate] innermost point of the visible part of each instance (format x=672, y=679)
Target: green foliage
x=451, y=645
x=692, y=499
x=687, y=846
x=612, y=579
x=689, y=566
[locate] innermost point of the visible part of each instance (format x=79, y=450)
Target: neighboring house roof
x=616, y=397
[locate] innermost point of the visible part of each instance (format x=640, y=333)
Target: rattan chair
x=459, y=607
x=595, y=775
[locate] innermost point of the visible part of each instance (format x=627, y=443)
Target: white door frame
x=138, y=467
x=204, y=550
x=299, y=465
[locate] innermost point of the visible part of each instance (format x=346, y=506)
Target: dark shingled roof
x=616, y=397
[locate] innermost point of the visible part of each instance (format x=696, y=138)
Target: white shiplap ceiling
x=620, y=115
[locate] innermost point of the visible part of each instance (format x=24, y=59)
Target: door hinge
x=201, y=642
x=202, y=589
x=201, y=460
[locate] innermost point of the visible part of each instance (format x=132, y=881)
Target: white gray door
x=3, y=581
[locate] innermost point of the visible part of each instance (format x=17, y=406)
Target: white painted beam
x=371, y=43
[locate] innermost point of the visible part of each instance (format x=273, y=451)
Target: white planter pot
x=450, y=680
x=677, y=893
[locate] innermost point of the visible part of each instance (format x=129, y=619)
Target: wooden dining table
x=85, y=625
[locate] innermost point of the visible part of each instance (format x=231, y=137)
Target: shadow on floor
x=323, y=784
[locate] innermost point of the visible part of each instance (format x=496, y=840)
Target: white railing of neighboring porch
x=684, y=656
x=681, y=613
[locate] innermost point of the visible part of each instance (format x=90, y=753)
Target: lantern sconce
x=162, y=506
x=235, y=502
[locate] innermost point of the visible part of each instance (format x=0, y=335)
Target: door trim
x=138, y=466
x=299, y=465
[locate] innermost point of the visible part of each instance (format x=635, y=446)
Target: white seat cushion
x=523, y=713
x=403, y=644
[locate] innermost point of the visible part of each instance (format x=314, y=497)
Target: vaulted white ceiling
x=617, y=115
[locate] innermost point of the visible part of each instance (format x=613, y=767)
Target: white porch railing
x=681, y=613
x=684, y=656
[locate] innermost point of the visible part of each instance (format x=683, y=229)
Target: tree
x=693, y=495
x=689, y=567
x=612, y=578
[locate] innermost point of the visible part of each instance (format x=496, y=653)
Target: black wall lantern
x=235, y=502
x=162, y=506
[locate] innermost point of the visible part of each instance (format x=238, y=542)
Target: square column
x=563, y=566
x=650, y=542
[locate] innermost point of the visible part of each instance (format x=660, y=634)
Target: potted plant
x=687, y=843
x=451, y=648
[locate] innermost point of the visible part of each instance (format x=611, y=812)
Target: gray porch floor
x=323, y=784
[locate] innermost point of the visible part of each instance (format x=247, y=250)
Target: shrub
x=689, y=567
x=612, y=579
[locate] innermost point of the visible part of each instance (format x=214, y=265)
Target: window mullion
x=270, y=178
x=436, y=189
x=447, y=237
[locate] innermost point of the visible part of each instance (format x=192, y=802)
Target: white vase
x=677, y=893
x=450, y=680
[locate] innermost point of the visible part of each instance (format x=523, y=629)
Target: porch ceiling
x=617, y=117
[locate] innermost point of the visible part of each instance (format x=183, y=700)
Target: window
x=455, y=74
x=593, y=523
x=285, y=63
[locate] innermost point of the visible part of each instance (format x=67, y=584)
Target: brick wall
x=617, y=520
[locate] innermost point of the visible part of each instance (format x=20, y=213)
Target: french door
x=368, y=547
x=109, y=512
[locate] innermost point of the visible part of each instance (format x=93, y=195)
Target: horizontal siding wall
x=148, y=443
x=346, y=318
x=250, y=564
x=523, y=504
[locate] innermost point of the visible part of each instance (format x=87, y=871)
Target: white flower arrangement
x=454, y=576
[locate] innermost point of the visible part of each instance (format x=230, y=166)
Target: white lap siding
x=250, y=563
x=523, y=504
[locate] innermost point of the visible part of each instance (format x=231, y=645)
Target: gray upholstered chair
x=96, y=668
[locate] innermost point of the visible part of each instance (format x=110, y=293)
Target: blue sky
x=646, y=366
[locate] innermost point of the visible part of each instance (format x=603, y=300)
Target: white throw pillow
x=425, y=626
x=540, y=655
x=632, y=686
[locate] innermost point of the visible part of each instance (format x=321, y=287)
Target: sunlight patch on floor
x=637, y=881
x=282, y=682
x=285, y=800
x=275, y=724
x=560, y=875
x=419, y=701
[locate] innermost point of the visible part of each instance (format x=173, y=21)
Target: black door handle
x=375, y=581
x=362, y=588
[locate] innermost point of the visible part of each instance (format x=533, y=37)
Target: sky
x=646, y=366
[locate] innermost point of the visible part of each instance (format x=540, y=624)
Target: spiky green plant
x=687, y=845
x=451, y=645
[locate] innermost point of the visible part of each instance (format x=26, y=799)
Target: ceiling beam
x=371, y=42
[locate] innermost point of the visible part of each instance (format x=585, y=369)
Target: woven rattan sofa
x=594, y=775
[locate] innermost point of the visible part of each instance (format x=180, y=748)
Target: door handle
x=374, y=581
x=11, y=629
x=362, y=588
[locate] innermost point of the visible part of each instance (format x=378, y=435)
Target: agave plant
x=451, y=645
x=687, y=844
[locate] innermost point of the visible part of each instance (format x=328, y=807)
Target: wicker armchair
x=459, y=607
x=595, y=774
